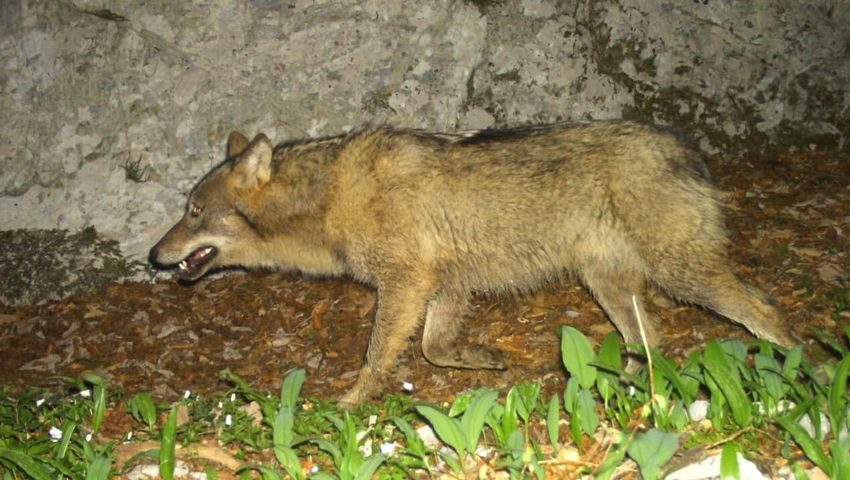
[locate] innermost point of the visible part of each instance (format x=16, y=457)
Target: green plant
x=729, y=468
x=282, y=429
x=168, y=446
x=461, y=434
x=414, y=455
x=724, y=382
x=142, y=408
x=349, y=461
x=553, y=420
x=837, y=464
x=651, y=450
x=135, y=172
x=578, y=357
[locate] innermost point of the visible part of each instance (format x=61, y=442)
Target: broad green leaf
x=840, y=450
x=553, y=420
x=143, y=409
x=25, y=463
x=577, y=355
x=283, y=452
x=729, y=469
x=67, y=431
x=413, y=442
x=99, y=396
x=509, y=423
x=686, y=387
x=610, y=356
x=288, y=459
x=211, y=472
x=473, y=418
x=168, y=445
x=368, y=468
x=575, y=427
x=838, y=396
x=460, y=404
x=614, y=458
x=93, y=379
x=338, y=422
x=322, y=476
x=515, y=444
x=329, y=447
x=266, y=473
x=527, y=394
x=720, y=370
x=735, y=349
x=651, y=450
x=571, y=394
x=282, y=427
x=99, y=469
x=792, y=361
x=351, y=458
x=767, y=367
x=830, y=340
x=586, y=406
x=292, y=387
x=447, y=428
x=810, y=446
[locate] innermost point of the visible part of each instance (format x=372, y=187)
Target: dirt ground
x=790, y=224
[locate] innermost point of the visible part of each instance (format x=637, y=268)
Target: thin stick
x=648, y=352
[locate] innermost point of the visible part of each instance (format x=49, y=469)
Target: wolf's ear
x=253, y=167
x=236, y=144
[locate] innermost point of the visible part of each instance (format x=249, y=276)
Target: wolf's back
x=510, y=209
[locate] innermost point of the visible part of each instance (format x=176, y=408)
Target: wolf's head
x=216, y=230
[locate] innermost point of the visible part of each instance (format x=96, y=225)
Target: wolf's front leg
x=401, y=305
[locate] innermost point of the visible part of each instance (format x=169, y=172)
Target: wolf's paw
x=480, y=356
x=349, y=400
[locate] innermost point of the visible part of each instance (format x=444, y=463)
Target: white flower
x=407, y=386
x=39, y=402
x=129, y=436
x=233, y=397
x=55, y=434
x=228, y=420
x=85, y=393
x=366, y=448
x=187, y=394
x=89, y=437
x=388, y=448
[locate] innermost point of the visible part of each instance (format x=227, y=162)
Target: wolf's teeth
x=183, y=265
x=208, y=250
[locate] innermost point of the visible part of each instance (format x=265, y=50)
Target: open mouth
x=193, y=265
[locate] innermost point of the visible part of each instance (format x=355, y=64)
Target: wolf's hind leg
x=443, y=320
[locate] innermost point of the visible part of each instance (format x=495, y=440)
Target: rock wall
x=110, y=110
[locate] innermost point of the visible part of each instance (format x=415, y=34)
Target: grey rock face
x=110, y=110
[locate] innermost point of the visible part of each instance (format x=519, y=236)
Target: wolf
x=428, y=219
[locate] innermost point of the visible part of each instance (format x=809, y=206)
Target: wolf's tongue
x=199, y=254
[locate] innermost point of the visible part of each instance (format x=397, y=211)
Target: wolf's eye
x=195, y=210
